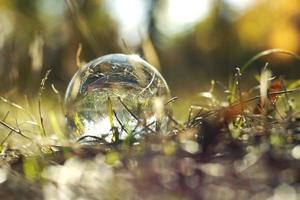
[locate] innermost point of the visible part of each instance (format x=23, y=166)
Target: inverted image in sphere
x=116, y=96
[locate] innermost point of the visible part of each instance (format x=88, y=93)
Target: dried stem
x=78, y=53
x=265, y=53
x=171, y=100
x=18, y=131
x=128, y=110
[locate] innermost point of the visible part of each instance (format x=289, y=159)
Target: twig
x=171, y=100
x=6, y=138
x=287, y=102
x=146, y=127
x=41, y=118
x=132, y=114
x=259, y=96
x=58, y=98
x=265, y=53
x=42, y=88
x=16, y=106
x=238, y=85
x=192, y=108
x=43, y=82
x=5, y=116
x=78, y=53
x=118, y=120
x=176, y=122
x=193, y=123
x=150, y=83
x=90, y=136
x=18, y=131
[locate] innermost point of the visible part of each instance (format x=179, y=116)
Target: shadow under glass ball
x=114, y=97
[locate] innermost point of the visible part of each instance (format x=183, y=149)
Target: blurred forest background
x=191, y=41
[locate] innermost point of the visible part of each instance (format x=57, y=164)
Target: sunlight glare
x=97, y=129
x=182, y=15
x=240, y=5
x=131, y=16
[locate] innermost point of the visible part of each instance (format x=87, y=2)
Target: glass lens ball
x=114, y=97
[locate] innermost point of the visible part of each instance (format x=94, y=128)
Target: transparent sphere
x=114, y=97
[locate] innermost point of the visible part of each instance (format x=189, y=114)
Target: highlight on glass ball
x=115, y=97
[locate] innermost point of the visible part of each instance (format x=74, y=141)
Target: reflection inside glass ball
x=114, y=97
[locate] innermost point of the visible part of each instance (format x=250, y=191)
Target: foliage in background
x=39, y=35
